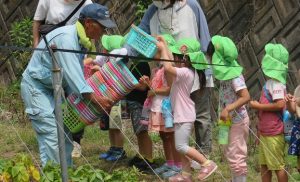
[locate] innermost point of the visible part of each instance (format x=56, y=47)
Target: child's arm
x=164, y=91
x=244, y=97
x=144, y=83
x=87, y=60
x=169, y=80
x=164, y=54
x=276, y=94
x=290, y=103
x=278, y=105
x=141, y=86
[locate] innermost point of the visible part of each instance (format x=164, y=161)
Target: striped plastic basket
x=142, y=42
x=86, y=109
x=72, y=119
x=113, y=81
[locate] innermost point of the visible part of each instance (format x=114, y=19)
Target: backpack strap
x=73, y=12
x=269, y=98
x=267, y=94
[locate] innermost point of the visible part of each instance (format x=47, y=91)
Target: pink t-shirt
x=182, y=105
x=270, y=123
x=228, y=95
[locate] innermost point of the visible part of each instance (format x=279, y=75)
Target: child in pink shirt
x=270, y=107
x=181, y=77
x=159, y=92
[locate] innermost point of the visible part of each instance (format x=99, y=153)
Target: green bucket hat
x=225, y=54
x=169, y=39
x=111, y=42
x=191, y=47
x=275, y=62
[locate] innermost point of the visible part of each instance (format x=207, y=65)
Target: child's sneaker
x=161, y=169
x=117, y=155
x=135, y=160
x=180, y=178
x=207, y=170
x=76, y=150
x=107, y=154
x=146, y=166
x=173, y=170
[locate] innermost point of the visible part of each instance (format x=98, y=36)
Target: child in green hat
x=188, y=61
x=112, y=44
x=270, y=107
x=158, y=93
x=92, y=64
x=233, y=95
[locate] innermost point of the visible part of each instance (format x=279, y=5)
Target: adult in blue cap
x=37, y=83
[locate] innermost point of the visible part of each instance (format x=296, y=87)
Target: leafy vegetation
x=21, y=32
x=21, y=169
x=91, y=168
x=21, y=35
x=141, y=7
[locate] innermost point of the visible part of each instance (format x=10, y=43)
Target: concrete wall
x=254, y=23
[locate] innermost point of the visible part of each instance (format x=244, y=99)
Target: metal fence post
x=57, y=87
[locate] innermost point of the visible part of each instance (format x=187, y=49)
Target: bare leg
x=186, y=166
x=281, y=176
x=167, y=145
x=111, y=137
x=117, y=137
x=266, y=174
x=176, y=154
x=145, y=144
x=197, y=156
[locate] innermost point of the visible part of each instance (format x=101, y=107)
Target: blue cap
x=99, y=13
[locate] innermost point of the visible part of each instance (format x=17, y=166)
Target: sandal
x=207, y=170
x=180, y=178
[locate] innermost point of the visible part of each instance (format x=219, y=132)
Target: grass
x=16, y=129
x=96, y=141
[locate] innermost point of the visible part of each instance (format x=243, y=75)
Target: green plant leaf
x=15, y=171
x=21, y=32
x=93, y=178
x=25, y=177
x=99, y=176
x=75, y=179
x=108, y=177
x=50, y=176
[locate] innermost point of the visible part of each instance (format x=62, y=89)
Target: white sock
x=239, y=178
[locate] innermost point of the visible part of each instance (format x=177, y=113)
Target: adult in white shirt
x=54, y=12
x=185, y=19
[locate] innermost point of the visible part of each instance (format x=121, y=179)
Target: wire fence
x=253, y=116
